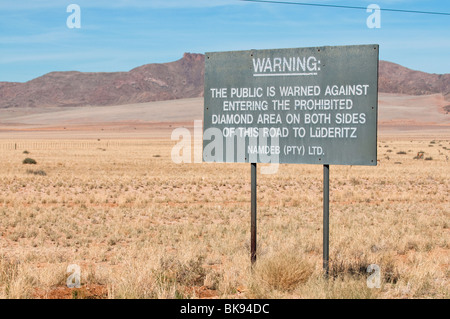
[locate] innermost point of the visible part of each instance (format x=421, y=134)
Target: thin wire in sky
x=347, y=7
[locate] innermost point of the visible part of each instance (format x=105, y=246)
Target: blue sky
x=121, y=35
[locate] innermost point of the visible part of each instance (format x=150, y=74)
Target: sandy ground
x=398, y=116
x=413, y=116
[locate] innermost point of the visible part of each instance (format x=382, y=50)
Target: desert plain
x=105, y=195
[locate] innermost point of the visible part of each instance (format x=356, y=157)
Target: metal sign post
x=326, y=218
x=253, y=215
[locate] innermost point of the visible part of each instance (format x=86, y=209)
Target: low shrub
x=36, y=172
x=29, y=161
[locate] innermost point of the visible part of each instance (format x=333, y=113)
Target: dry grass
x=140, y=226
x=281, y=271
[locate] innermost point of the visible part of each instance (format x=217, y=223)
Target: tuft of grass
x=401, y=153
x=10, y=278
x=348, y=267
x=36, y=172
x=29, y=161
x=428, y=158
x=283, y=272
x=190, y=273
x=9, y=270
x=357, y=268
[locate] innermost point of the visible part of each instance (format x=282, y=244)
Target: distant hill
x=151, y=82
x=394, y=78
x=167, y=81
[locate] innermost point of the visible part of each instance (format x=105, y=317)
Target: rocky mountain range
x=394, y=78
x=174, y=80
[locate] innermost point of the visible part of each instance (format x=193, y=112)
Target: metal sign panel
x=302, y=105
